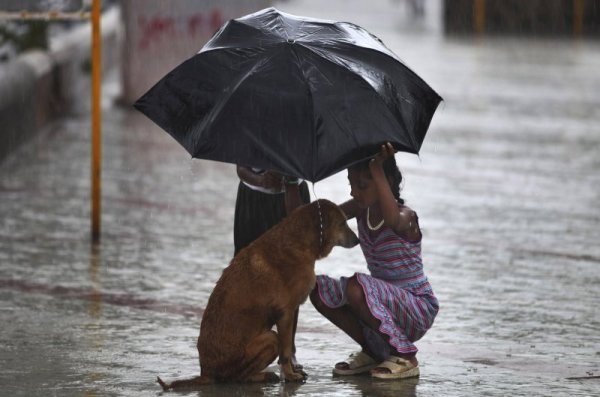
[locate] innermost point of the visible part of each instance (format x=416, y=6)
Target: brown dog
x=263, y=286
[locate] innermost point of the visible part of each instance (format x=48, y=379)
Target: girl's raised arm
x=403, y=220
x=387, y=202
x=350, y=208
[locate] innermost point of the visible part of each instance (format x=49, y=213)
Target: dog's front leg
x=285, y=330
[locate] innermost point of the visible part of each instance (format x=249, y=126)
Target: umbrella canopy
x=301, y=96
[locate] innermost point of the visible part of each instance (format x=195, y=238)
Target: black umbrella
x=302, y=96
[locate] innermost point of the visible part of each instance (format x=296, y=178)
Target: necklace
x=373, y=228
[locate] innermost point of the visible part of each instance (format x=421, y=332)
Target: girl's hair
x=391, y=171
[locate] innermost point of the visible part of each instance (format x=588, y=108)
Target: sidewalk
x=507, y=189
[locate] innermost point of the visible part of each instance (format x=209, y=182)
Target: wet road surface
x=507, y=188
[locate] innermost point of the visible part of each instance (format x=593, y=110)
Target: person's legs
x=358, y=305
x=353, y=317
x=342, y=317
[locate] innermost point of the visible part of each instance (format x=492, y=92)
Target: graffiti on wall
x=156, y=28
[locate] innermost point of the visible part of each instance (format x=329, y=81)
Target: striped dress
x=397, y=290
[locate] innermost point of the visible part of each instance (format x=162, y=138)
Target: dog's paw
x=299, y=376
x=300, y=371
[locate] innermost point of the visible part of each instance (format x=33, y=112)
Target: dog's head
x=333, y=228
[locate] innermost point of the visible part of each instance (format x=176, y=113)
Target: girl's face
x=362, y=188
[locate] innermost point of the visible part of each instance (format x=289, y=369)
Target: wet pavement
x=507, y=187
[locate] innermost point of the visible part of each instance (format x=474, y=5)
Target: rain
x=506, y=185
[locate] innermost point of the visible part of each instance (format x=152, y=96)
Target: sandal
x=356, y=363
x=399, y=368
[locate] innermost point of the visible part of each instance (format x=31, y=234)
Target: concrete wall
x=37, y=86
x=159, y=35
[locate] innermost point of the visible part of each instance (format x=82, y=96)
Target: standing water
x=507, y=187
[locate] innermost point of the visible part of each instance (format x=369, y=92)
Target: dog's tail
x=191, y=383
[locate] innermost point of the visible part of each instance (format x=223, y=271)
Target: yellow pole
x=479, y=16
x=96, y=165
x=578, y=10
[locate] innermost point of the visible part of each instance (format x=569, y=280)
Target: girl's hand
x=387, y=150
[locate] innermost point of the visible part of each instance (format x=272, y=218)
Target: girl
x=388, y=310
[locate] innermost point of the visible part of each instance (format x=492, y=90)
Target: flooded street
x=507, y=187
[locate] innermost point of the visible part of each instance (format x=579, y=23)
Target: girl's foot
x=395, y=367
x=356, y=363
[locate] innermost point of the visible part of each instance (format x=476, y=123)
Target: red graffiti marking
x=195, y=24
x=216, y=20
x=156, y=28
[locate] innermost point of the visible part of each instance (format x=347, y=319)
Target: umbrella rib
x=223, y=99
x=282, y=21
x=312, y=114
x=262, y=31
x=280, y=17
x=379, y=98
x=308, y=35
x=209, y=47
x=381, y=47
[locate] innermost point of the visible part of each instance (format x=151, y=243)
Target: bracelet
x=291, y=181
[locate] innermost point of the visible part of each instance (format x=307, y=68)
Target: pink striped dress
x=397, y=290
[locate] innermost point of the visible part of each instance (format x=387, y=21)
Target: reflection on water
x=384, y=388
x=93, y=328
x=344, y=386
x=95, y=302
